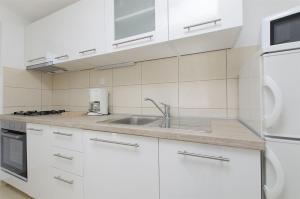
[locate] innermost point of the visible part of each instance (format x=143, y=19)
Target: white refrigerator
x=270, y=105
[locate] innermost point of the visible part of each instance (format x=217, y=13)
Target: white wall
x=12, y=41
x=254, y=12
x=11, y=45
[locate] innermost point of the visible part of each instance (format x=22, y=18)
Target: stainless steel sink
x=197, y=124
x=135, y=120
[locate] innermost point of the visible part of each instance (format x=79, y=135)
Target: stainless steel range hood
x=47, y=67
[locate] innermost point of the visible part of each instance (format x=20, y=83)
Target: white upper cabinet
x=81, y=30
x=90, y=28
x=74, y=32
x=193, y=17
x=37, y=42
x=92, y=33
x=133, y=23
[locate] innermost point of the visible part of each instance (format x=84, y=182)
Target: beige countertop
x=223, y=132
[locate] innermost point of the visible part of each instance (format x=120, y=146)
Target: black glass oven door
x=13, y=153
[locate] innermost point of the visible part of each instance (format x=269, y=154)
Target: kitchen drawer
x=65, y=185
x=67, y=160
x=67, y=138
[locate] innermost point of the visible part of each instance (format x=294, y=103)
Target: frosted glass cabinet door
x=135, y=22
x=133, y=17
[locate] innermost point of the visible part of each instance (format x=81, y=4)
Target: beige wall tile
x=67, y=108
x=110, y=96
x=79, y=97
x=160, y=71
x=126, y=110
x=156, y=112
x=203, y=94
x=232, y=93
x=165, y=93
x=127, y=96
x=46, y=97
x=61, y=98
x=213, y=113
x=159, y=78
x=79, y=108
x=21, y=97
x=232, y=113
x=47, y=108
x=203, y=66
x=61, y=81
x=237, y=57
x=79, y=79
x=47, y=81
x=21, y=78
x=127, y=75
x=9, y=110
x=100, y=78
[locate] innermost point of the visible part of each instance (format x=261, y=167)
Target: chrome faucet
x=165, y=112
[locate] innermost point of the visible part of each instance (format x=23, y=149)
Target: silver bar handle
x=33, y=129
x=63, y=134
x=62, y=57
x=94, y=50
x=63, y=157
x=220, y=158
x=63, y=180
x=132, y=40
x=8, y=135
x=37, y=59
x=201, y=24
x=115, y=142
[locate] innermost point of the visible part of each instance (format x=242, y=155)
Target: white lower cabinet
x=66, y=160
x=120, y=166
x=65, y=185
x=38, y=152
x=81, y=164
x=193, y=171
x=67, y=138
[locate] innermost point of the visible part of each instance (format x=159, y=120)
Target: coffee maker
x=98, y=101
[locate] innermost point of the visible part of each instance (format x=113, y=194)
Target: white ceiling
x=32, y=10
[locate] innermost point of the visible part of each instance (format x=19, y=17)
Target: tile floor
x=8, y=192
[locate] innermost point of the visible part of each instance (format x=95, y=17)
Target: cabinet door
x=192, y=17
x=133, y=23
x=65, y=185
x=282, y=94
x=36, y=42
x=81, y=30
x=73, y=32
x=121, y=166
x=193, y=171
x=90, y=28
x=38, y=153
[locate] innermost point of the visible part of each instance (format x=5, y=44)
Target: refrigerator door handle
x=269, y=120
x=275, y=191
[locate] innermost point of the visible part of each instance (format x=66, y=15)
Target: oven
x=14, y=149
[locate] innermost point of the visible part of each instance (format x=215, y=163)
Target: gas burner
x=36, y=113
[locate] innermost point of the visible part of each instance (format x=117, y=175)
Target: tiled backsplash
x=25, y=90
x=204, y=84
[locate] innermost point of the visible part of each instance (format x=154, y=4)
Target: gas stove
x=37, y=113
